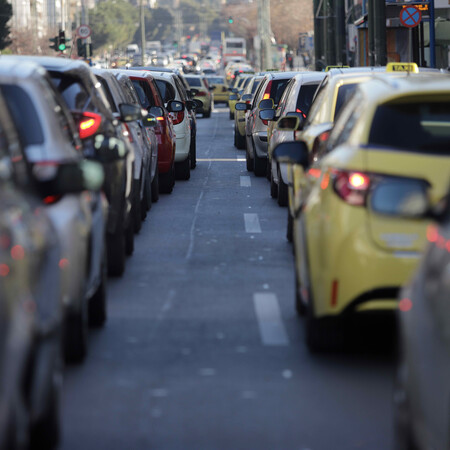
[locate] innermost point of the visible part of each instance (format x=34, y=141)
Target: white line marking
x=252, y=223
x=245, y=181
x=270, y=323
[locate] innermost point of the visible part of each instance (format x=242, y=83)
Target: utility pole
x=265, y=34
x=142, y=13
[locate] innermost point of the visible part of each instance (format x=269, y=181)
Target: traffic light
x=84, y=49
x=55, y=44
x=230, y=20
x=62, y=42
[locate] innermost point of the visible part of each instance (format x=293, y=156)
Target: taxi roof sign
x=336, y=67
x=402, y=67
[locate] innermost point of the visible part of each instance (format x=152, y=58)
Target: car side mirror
x=241, y=106
x=129, y=112
x=267, y=114
x=266, y=104
x=109, y=149
x=290, y=123
x=156, y=111
x=233, y=97
x=234, y=90
x=55, y=179
x=406, y=198
x=246, y=97
x=174, y=106
x=294, y=152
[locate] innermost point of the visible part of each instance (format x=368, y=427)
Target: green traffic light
x=62, y=47
x=230, y=20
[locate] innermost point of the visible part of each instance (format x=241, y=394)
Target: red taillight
x=177, y=117
x=202, y=94
x=352, y=187
x=51, y=199
x=89, y=124
x=267, y=90
x=127, y=132
x=301, y=112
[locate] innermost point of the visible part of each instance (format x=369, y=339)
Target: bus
x=233, y=49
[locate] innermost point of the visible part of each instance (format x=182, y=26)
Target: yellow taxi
x=220, y=88
x=238, y=86
x=362, y=226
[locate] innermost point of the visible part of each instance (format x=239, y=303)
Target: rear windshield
x=344, y=93
x=420, y=127
x=305, y=97
x=216, y=80
x=193, y=81
x=166, y=90
x=24, y=114
x=277, y=89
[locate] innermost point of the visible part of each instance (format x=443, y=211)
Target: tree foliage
x=113, y=22
x=158, y=25
x=5, y=16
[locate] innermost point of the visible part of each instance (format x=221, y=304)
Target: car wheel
x=129, y=237
x=273, y=187
x=97, y=303
x=76, y=335
x=324, y=334
x=290, y=227
x=155, y=186
x=148, y=196
x=183, y=169
x=115, y=244
x=193, y=152
x=259, y=166
x=231, y=115
x=239, y=140
x=282, y=191
x=167, y=181
x=249, y=161
x=45, y=433
x=137, y=210
x=207, y=114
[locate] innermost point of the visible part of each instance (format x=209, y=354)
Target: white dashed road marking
x=252, y=223
x=245, y=181
x=270, y=322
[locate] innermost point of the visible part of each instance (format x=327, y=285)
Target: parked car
x=269, y=92
x=99, y=128
x=423, y=371
x=358, y=234
x=49, y=136
x=150, y=99
x=119, y=96
x=30, y=292
x=169, y=88
x=296, y=100
x=202, y=93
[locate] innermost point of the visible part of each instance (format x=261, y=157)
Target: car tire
x=259, y=166
x=137, y=210
x=231, y=115
x=148, y=197
x=155, y=186
x=183, y=169
x=97, y=303
x=193, y=152
x=45, y=433
x=129, y=237
x=273, y=187
x=167, y=181
x=76, y=335
x=290, y=227
x=208, y=113
x=116, y=250
x=283, y=196
x=324, y=334
x=239, y=140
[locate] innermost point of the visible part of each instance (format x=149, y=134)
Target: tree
x=113, y=23
x=158, y=25
x=5, y=16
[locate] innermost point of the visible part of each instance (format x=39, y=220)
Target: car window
x=193, y=82
x=73, y=92
x=314, y=112
x=422, y=127
x=277, y=89
x=285, y=96
x=216, y=80
x=258, y=92
x=108, y=94
x=166, y=90
x=305, y=97
x=344, y=93
x=144, y=93
x=24, y=114
x=181, y=89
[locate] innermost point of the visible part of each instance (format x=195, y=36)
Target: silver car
x=50, y=138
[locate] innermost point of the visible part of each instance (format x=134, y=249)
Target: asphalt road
x=203, y=349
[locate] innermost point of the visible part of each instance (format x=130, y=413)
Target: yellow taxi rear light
x=266, y=96
x=402, y=67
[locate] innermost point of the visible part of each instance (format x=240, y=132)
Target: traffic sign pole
x=432, y=36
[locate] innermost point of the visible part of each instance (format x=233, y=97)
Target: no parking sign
x=410, y=16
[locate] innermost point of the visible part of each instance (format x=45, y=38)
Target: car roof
x=20, y=68
x=136, y=73
x=51, y=62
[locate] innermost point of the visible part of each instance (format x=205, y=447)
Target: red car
x=150, y=97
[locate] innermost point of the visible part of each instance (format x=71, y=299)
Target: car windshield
x=194, y=82
x=216, y=80
x=422, y=127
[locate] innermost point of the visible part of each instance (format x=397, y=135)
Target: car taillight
x=127, y=132
x=301, y=112
x=352, y=187
x=201, y=94
x=51, y=199
x=267, y=90
x=177, y=117
x=89, y=124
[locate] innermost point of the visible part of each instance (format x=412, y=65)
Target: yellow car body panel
x=348, y=254
x=221, y=93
